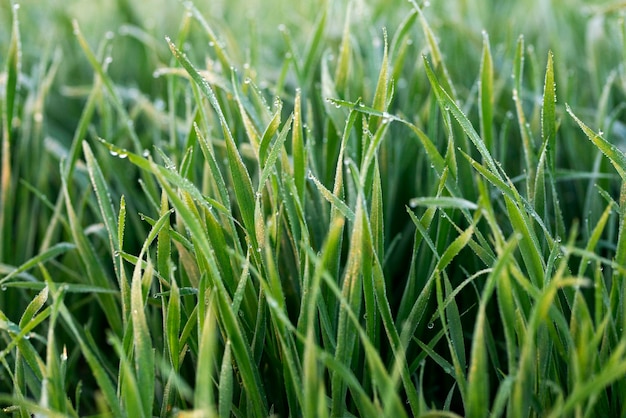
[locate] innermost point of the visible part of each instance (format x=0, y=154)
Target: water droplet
x=16, y=6
x=3, y=288
x=282, y=28
x=431, y=325
x=114, y=153
x=211, y=44
x=258, y=250
x=155, y=296
x=123, y=155
x=247, y=80
x=600, y=132
x=258, y=195
x=109, y=35
x=310, y=175
x=146, y=153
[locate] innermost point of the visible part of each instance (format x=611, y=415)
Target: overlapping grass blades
x=349, y=231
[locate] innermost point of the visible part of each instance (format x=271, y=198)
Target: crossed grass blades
x=333, y=227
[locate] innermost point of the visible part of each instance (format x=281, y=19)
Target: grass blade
x=486, y=95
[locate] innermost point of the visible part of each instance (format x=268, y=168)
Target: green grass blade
x=527, y=140
x=203, y=394
x=95, y=271
x=298, y=147
x=226, y=384
x=342, y=71
x=382, y=86
x=447, y=103
x=486, y=95
x=612, y=152
x=478, y=377
x=130, y=391
x=49, y=254
x=333, y=199
x=8, y=112
x=242, y=184
x=144, y=356
x=100, y=374
x=105, y=204
x=548, y=113
x=437, y=56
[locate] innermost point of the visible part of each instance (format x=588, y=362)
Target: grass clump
x=362, y=210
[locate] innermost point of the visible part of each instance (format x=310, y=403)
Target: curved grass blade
x=49, y=254
x=613, y=153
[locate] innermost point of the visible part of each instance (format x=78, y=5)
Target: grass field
x=324, y=208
